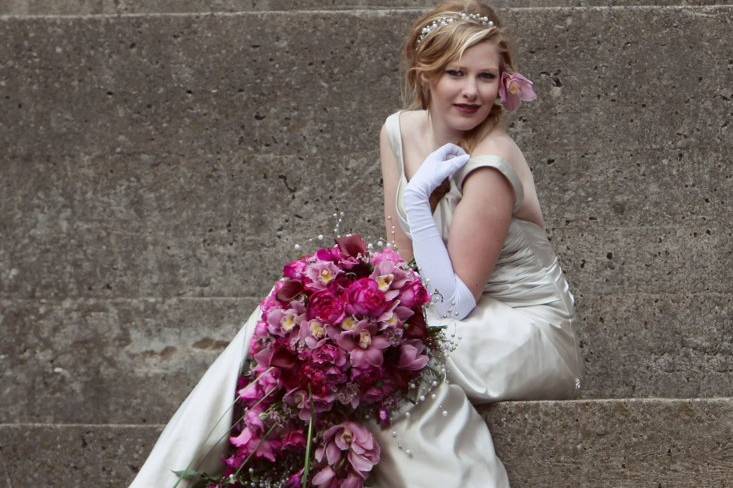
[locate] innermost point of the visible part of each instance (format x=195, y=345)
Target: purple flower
x=326, y=306
x=412, y=357
x=414, y=294
x=353, y=441
x=387, y=255
x=295, y=481
x=363, y=297
x=294, y=270
x=321, y=273
x=514, y=89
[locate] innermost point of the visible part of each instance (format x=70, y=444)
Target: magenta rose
x=295, y=269
x=363, y=297
x=324, y=305
x=414, y=294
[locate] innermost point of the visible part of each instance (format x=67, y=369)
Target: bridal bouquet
x=342, y=341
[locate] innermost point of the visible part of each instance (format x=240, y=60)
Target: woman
x=500, y=288
x=484, y=249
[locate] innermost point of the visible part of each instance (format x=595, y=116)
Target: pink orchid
x=365, y=349
x=295, y=481
x=322, y=274
x=295, y=439
x=361, y=450
x=514, y=89
x=412, y=355
x=255, y=390
x=389, y=255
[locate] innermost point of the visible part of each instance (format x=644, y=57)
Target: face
x=463, y=94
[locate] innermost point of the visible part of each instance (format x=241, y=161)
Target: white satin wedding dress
x=517, y=344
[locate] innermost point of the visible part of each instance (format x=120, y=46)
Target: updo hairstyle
x=426, y=61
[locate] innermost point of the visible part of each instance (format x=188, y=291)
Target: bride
x=460, y=199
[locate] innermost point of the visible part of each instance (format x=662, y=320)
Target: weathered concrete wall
x=584, y=444
x=95, y=7
x=157, y=169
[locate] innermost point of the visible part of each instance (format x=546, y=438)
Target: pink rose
x=414, y=294
x=294, y=270
x=363, y=297
x=329, y=354
x=326, y=306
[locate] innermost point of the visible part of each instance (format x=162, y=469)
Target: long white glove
x=430, y=252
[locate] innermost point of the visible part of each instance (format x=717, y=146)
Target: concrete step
x=148, y=199
x=96, y=7
x=134, y=360
x=620, y=443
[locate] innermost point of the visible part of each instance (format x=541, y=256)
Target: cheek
x=490, y=90
x=445, y=89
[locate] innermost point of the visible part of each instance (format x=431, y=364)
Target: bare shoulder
x=501, y=144
x=413, y=122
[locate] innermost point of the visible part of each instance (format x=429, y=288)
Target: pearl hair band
x=445, y=20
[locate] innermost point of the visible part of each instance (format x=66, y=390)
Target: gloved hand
x=453, y=296
x=439, y=164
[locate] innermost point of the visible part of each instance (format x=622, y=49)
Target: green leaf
x=187, y=474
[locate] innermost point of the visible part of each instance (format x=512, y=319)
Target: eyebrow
x=482, y=69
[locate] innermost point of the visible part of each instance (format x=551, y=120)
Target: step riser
x=134, y=361
x=87, y=85
x=555, y=444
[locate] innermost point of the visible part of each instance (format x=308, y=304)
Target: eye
x=454, y=72
x=488, y=75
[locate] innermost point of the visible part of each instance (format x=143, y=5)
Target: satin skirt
x=503, y=353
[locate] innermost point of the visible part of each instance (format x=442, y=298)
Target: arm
x=390, y=178
x=480, y=224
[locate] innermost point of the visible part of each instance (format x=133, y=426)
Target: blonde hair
x=427, y=60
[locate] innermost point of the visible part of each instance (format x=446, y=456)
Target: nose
x=470, y=90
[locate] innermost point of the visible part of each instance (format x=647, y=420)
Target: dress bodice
x=527, y=270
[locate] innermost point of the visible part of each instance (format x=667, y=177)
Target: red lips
x=466, y=108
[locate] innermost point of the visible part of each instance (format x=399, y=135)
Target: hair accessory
x=449, y=19
x=514, y=89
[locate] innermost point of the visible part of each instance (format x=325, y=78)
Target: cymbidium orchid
x=341, y=335
x=515, y=89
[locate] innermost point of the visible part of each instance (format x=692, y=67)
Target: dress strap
x=395, y=139
x=502, y=165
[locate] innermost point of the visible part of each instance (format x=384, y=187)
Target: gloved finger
x=450, y=166
x=446, y=151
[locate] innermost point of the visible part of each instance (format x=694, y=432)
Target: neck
x=439, y=133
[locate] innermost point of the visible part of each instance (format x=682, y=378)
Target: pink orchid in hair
x=515, y=89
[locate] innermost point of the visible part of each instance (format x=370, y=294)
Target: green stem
x=309, y=444
x=201, y=461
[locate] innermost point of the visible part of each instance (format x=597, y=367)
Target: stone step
x=134, y=360
x=148, y=200
x=109, y=7
x=620, y=443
